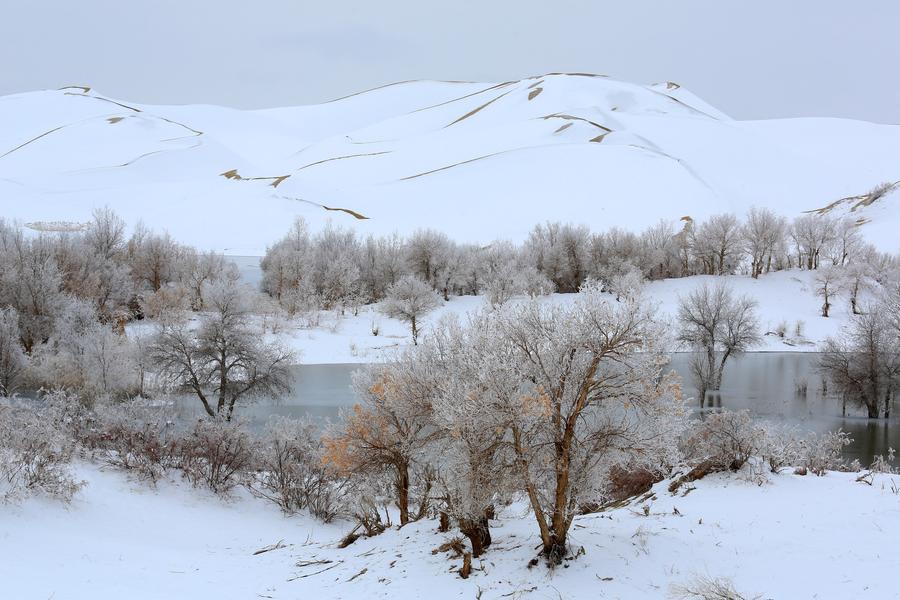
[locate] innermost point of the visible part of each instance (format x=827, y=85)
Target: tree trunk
x=403, y=492
x=415, y=332
x=872, y=409
x=479, y=534
x=556, y=550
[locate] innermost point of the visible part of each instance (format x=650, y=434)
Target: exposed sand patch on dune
x=275, y=180
x=387, y=85
x=32, y=140
x=439, y=169
x=477, y=110
x=860, y=201
x=356, y=215
x=326, y=160
x=574, y=118
x=535, y=93
x=487, y=89
x=84, y=88
x=92, y=97
x=348, y=211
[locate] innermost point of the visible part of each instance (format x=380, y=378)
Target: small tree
x=224, y=358
x=409, y=300
x=827, y=280
x=717, y=325
x=12, y=357
x=857, y=279
x=864, y=362
x=763, y=233
x=469, y=412
x=386, y=432
x=591, y=398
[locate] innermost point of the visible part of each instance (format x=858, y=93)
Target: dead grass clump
x=708, y=588
x=455, y=546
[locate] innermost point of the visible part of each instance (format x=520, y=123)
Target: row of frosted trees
x=334, y=268
x=65, y=298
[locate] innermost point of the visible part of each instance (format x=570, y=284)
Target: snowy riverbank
x=784, y=297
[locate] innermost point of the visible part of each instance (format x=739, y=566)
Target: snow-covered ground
x=478, y=161
x=783, y=297
x=793, y=537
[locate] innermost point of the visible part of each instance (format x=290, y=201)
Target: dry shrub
x=290, y=471
x=725, y=440
x=134, y=438
x=821, y=453
x=34, y=456
x=165, y=303
x=216, y=454
x=782, y=448
x=882, y=464
x=626, y=483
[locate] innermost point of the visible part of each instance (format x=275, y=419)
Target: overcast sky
x=765, y=58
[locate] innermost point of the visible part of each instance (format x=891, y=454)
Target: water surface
x=781, y=387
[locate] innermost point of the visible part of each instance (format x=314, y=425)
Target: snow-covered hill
x=476, y=160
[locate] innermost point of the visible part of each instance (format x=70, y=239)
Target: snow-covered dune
x=477, y=160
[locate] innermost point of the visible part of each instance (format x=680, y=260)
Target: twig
x=316, y=573
x=363, y=572
x=276, y=546
x=307, y=563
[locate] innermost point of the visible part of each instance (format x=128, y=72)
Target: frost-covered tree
x=470, y=414
x=382, y=263
x=387, y=431
x=561, y=252
x=847, y=241
x=105, y=233
x=426, y=251
x=659, y=251
x=223, y=360
x=85, y=356
x=198, y=269
x=717, y=243
x=336, y=273
x=449, y=273
x=857, y=278
x=863, y=363
x=590, y=397
x=153, y=258
x=613, y=253
x=409, y=300
x=764, y=234
x=716, y=325
x=499, y=272
x=13, y=360
x=828, y=280
x=30, y=282
x=812, y=234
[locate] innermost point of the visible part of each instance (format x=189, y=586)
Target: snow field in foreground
x=792, y=537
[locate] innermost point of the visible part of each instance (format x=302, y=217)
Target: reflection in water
x=781, y=387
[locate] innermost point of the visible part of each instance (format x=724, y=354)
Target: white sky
x=765, y=58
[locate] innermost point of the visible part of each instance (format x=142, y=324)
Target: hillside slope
x=478, y=161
